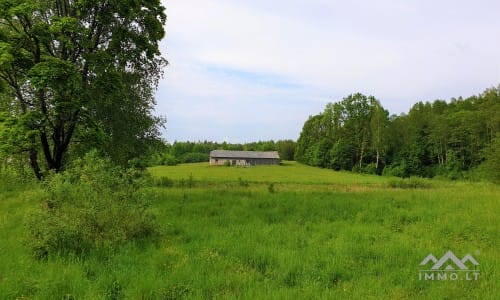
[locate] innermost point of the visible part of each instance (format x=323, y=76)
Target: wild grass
x=271, y=232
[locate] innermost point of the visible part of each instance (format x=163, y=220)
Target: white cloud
x=285, y=59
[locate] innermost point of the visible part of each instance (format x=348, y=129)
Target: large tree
x=81, y=70
x=346, y=135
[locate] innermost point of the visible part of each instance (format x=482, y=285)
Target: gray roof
x=244, y=154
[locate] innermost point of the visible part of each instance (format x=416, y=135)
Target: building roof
x=244, y=154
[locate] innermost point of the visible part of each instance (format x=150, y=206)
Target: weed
x=410, y=183
x=243, y=183
x=163, y=182
x=189, y=182
x=270, y=188
x=175, y=292
x=114, y=291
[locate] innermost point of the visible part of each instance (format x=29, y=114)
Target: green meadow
x=271, y=232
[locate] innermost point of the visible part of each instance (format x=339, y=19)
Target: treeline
x=453, y=139
x=190, y=152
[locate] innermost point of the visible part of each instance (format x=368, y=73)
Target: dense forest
x=455, y=139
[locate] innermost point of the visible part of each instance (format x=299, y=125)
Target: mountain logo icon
x=449, y=262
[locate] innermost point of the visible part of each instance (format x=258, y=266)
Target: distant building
x=243, y=158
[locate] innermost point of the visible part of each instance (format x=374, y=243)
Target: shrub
x=163, y=182
x=369, y=169
x=356, y=169
x=10, y=179
x=491, y=166
x=189, y=182
x=270, y=188
x=397, y=171
x=16, y=177
x=169, y=160
x=92, y=205
x=195, y=157
x=243, y=183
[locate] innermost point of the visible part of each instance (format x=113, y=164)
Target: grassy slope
x=320, y=234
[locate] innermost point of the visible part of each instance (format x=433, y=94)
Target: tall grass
x=318, y=235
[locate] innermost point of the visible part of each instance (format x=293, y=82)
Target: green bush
x=194, y=157
x=92, y=205
x=243, y=183
x=15, y=177
x=491, y=166
x=270, y=188
x=397, y=171
x=163, y=182
x=369, y=169
x=189, y=182
x=9, y=179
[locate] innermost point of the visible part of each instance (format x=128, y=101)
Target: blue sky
x=244, y=71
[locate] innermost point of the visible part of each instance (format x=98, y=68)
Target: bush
x=366, y=169
x=243, y=183
x=162, y=159
x=270, y=188
x=189, y=182
x=12, y=179
x=163, y=182
x=195, y=157
x=491, y=166
x=397, y=171
x=169, y=160
x=92, y=205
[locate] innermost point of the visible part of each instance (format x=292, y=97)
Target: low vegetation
x=91, y=207
x=279, y=232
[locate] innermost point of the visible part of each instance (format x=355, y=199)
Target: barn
x=243, y=158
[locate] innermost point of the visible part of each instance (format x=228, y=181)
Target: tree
x=492, y=163
x=286, y=149
x=351, y=120
x=433, y=138
x=345, y=135
x=378, y=127
x=312, y=132
x=78, y=68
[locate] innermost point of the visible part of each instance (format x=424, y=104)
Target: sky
x=242, y=71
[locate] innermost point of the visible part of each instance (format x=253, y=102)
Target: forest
x=455, y=139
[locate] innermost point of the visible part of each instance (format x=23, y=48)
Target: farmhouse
x=244, y=158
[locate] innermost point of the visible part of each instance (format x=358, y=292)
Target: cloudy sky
x=244, y=70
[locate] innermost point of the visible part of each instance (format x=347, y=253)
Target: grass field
x=273, y=232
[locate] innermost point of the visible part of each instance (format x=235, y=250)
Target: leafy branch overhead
x=72, y=70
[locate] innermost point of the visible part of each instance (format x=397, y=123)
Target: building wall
x=244, y=161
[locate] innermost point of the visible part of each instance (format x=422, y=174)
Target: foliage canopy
x=436, y=138
x=78, y=71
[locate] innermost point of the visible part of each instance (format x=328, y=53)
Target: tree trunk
x=34, y=164
x=361, y=157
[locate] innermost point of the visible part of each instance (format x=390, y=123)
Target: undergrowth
x=91, y=206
